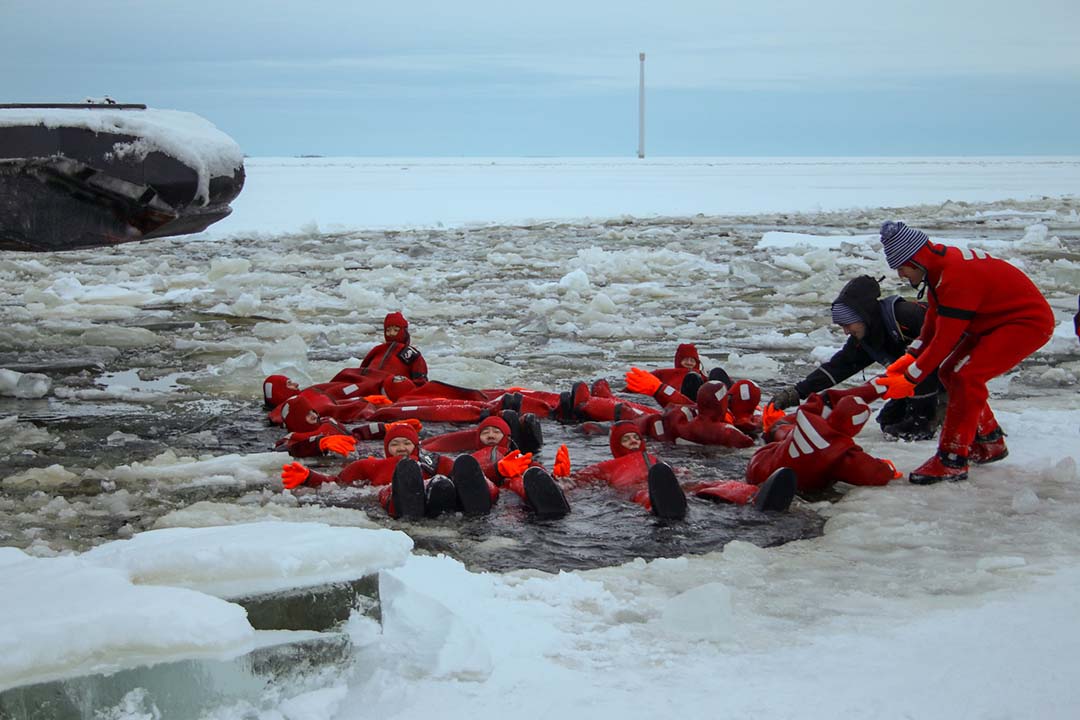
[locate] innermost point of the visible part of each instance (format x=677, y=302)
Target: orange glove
x=561, y=468
x=896, y=385
x=901, y=365
x=769, y=416
x=411, y=422
x=514, y=464
x=378, y=400
x=895, y=473
x=293, y=475
x=642, y=381
x=340, y=444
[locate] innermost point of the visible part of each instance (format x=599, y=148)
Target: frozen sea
x=130, y=412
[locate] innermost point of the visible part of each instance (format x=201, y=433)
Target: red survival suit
x=628, y=472
x=396, y=356
x=984, y=317
x=821, y=450
x=341, y=401
x=707, y=422
x=304, y=436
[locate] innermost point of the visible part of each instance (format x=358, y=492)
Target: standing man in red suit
x=984, y=317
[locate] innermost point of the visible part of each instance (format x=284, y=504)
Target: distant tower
x=641, y=109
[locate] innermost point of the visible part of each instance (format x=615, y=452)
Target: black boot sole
x=777, y=492
x=666, y=495
x=934, y=479
x=531, y=435
x=543, y=495
x=407, y=490
x=472, y=489
x=441, y=496
x=513, y=421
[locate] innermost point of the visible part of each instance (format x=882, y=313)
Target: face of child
x=631, y=441
x=400, y=447
x=688, y=362
x=491, y=436
x=392, y=331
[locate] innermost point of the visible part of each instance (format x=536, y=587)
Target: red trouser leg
x=737, y=493
x=968, y=368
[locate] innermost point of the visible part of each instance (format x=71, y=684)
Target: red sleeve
x=358, y=471
x=950, y=314
x=418, y=370
x=370, y=357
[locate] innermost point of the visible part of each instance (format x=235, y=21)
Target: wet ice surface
x=156, y=351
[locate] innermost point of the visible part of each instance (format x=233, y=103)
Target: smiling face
x=400, y=447
x=688, y=362
x=491, y=436
x=631, y=441
x=912, y=273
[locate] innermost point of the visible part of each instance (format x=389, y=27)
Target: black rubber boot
x=512, y=401
x=666, y=495
x=718, y=373
x=564, y=413
x=407, y=490
x=543, y=495
x=892, y=412
x=777, y=492
x=473, y=497
x=912, y=427
x=531, y=435
x=512, y=419
x=441, y=496
x=691, y=384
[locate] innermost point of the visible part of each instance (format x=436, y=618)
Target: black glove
x=785, y=398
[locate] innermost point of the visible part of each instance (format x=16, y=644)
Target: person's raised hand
x=561, y=468
x=642, y=381
x=293, y=475
x=901, y=364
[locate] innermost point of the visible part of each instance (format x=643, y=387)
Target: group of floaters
x=389, y=397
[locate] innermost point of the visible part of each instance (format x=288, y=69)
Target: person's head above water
x=396, y=328
x=686, y=356
x=299, y=415
x=401, y=441
x=625, y=439
x=493, y=431
x=277, y=389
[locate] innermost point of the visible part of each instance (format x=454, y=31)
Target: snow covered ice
x=930, y=602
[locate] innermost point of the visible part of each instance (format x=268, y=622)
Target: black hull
x=65, y=188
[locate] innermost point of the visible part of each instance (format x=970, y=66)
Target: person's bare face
x=631, y=441
x=312, y=417
x=292, y=384
x=392, y=332
x=688, y=362
x=400, y=447
x=491, y=436
x=856, y=330
x=913, y=274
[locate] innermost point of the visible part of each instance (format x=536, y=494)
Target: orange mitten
x=769, y=416
x=895, y=473
x=896, y=385
x=514, y=464
x=293, y=475
x=901, y=365
x=378, y=400
x=340, y=444
x=561, y=468
x=642, y=381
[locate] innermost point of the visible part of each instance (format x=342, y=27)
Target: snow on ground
x=949, y=601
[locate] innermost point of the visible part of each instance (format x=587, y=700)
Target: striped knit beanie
x=845, y=314
x=901, y=242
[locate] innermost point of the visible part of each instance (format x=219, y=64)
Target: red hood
x=617, y=431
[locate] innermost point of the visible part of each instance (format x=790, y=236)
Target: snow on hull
x=85, y=176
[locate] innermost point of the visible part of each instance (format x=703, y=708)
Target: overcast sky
x=479, y=77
